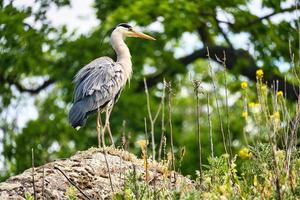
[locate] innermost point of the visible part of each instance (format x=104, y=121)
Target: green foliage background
x=41, y=61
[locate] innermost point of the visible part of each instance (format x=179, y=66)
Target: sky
x=79, y=16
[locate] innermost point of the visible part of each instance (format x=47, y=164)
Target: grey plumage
x=96, y=86
x=99, y=83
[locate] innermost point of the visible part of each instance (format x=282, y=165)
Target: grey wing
x=102, y=79
x=96, y=84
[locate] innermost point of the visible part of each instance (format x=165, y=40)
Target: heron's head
x=128, y=31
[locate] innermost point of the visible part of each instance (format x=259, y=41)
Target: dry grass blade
x=197, y=88
x=70, y=181
x=33, y=181
x=217, y=103
x=151, y=119
x=163, y=129
x=210, y=126
x=171, y=126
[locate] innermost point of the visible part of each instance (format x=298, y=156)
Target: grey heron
x=98, y=84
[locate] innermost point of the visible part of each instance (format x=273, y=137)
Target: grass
x=254, y=180
x=266, y=167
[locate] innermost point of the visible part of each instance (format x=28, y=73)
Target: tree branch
x=21, y=88
x=272, y=14
x=204, y=35
x=247, y=67
x=255, y=21
x=223, y=33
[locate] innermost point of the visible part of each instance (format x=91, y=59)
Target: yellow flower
x=259, y=73
x=244, y=85
x=244, y=153
x=279, y=94
x=253, y=105
x=255, y=180
x=245, y=114
x=142, y=143
x=275, y=116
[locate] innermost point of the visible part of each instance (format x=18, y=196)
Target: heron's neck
x=123, y=53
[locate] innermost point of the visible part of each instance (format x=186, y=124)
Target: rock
x=88, y=171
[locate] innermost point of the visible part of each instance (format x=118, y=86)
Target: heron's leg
x=106, y=125
x=98, y=127
x=108, y=112
x=102, y=135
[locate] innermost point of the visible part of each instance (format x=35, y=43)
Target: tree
x=30, y=52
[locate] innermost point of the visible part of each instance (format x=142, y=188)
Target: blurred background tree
x=38, y=60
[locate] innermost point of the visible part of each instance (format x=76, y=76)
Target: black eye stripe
x=125, y=26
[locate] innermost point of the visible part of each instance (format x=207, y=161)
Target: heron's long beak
x=141, y=35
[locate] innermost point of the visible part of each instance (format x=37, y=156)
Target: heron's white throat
x=122, y=51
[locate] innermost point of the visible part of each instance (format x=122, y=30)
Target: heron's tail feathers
x=77, y=115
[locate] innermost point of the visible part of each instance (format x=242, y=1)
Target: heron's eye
x=130, y=29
